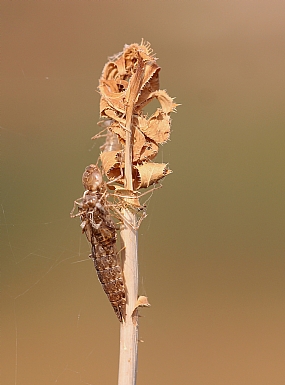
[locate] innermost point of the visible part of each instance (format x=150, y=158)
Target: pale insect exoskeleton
x=96, y=209
x=112, y=142
x=100, y=230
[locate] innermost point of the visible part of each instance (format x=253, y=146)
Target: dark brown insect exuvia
x=100, y=230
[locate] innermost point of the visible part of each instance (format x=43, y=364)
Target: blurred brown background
x=212, y=247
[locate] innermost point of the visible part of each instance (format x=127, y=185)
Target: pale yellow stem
x=129, y=328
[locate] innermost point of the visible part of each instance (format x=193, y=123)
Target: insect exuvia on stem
x=100, y=230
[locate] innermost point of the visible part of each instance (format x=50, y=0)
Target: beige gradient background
x=212, y=247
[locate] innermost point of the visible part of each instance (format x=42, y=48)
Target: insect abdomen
x=111, y=278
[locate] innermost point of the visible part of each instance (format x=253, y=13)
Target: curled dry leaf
x=151, y=173
x=142, y=302
x=111, y=163
x=144, y=175
x=117, y=73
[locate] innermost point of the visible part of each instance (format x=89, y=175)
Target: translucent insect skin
x=100, y=231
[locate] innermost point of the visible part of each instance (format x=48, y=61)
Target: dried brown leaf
x=150, y=173
x=142, y=302
x=111, y=163
x=117, y=128
x=149, y=85
x=149, y=150
x=166, y=102
x=157, y=127
x=143, y=148
x=117, y=73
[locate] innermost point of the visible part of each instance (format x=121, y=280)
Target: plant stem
x=129, y=328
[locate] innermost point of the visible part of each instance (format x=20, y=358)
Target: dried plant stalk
x=129, y=328
x=129, y=81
